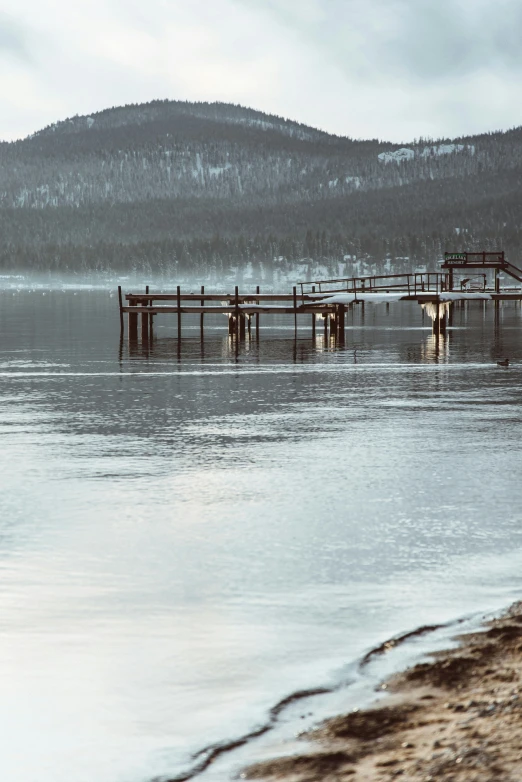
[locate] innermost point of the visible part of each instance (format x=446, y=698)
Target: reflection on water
x=190, y=530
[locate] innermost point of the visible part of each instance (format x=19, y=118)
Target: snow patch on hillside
x=397, y=156
x=446, y=149
x=404, y=154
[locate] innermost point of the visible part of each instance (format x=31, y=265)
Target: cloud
x=392, y=69
x=432, y=40
x=12, y=38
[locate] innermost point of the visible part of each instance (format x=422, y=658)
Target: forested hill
x=180, y=187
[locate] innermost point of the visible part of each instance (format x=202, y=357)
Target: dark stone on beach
x=316, y=765
x=372, y=724
x=443, y=673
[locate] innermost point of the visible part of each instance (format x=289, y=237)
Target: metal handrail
x=407, y=281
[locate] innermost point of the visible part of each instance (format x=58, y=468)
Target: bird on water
x=503, y=363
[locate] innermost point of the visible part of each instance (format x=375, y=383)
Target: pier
x=464, y=277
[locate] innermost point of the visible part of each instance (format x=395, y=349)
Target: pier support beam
x=120, y=302
x=178, y=297
x=144, y=326
x=340, y=323
x=236, y=312
x=133, y=322
x=313, y=318
x=257, y=314
x=439, y=322
x=294, y=292
x=201, y=317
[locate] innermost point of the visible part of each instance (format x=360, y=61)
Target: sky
x=396, y=70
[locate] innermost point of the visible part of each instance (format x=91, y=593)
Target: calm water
x=187, y=536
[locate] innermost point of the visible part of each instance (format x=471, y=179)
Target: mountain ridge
x=194, y=177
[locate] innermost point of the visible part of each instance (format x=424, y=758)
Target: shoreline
x=457, y=718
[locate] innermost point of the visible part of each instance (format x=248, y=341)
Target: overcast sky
x=391, y=69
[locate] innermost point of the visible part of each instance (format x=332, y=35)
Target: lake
x=188, y=536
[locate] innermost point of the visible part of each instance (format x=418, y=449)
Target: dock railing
x=412, y=284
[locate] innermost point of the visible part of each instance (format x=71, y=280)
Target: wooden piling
x=242, y=329
x=133, y=322
x=236, y=312
x=313, y=318
x=144, y=326
x=120, y=301
x=294, y=293
x=151, y=316
x=145, y=320
x=257, y=315
x=201, y=316
x=178, y=297
x=340, y=323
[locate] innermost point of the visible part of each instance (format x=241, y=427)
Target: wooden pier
x=327, y=300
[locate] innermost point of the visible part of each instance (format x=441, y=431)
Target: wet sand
x=457, y=717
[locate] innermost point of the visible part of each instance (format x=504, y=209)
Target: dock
x=464, y=277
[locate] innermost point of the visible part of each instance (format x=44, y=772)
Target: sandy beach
x=457, y=717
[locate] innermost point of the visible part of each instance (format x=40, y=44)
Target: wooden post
x=144, y=326
x=497, y=282
x=150, y=315
x=133, y=322
x=242, y=324
x=201, y=316
x=178, y=298
x=236, y=311
x=294, y=291
x=340, y=323
x=313, y=318
x=257, y=316
x=326, y=319
x=120, y=302
x=145, y=320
